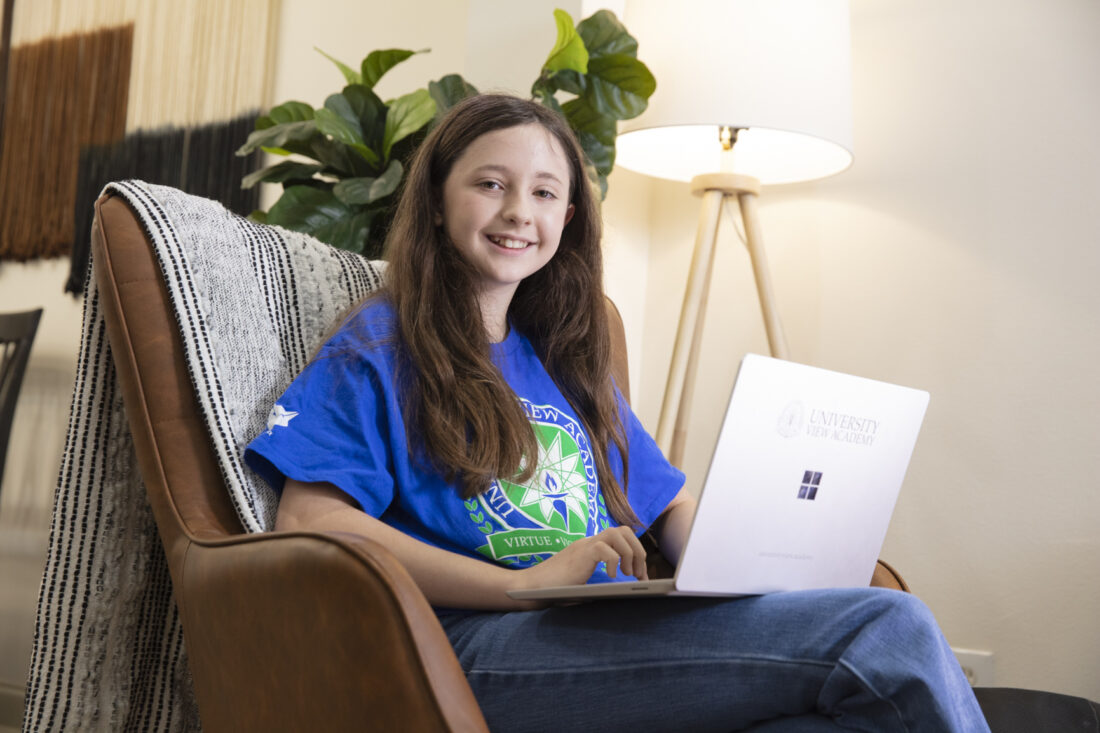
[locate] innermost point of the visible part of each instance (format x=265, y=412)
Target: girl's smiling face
x=505, y=204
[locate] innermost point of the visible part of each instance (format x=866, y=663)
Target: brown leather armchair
x=284, y=630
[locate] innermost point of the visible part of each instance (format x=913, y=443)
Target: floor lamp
x=749, y=93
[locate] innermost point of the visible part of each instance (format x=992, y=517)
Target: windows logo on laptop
x=811, y=480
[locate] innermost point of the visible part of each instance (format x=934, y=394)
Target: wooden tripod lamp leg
x=687, y=398
x=685, y=350
x=754, y=240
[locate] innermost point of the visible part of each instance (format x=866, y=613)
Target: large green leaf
x=306, y=208
x=600, y=154
x=388, y=182
x=301, y=147
x=286, y=112
x=288, y=170
x=583, y=118
x=349, y=73
x=407, y=114
x=340, y=119
x=318, y=212
x=377, y=63
x=338, y=128
x=449, y=91
x=603, y=35
x=340, y=160
x=596, y=135
x=568, y=51
x=371, y=112
x=568, y=81
x=608, y=45
x=619, y=85
x=363, y=191
x=354, y=191
x=279, y=135
x=341, y=106
x=350, y=233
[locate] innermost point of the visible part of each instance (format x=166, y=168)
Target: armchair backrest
x=178, y=464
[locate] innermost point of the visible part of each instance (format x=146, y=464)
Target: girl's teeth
x=509, y=243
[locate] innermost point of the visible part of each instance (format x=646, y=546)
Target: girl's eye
x=490, y=185
x=544, y=194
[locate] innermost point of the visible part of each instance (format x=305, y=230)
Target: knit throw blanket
x=252, y=303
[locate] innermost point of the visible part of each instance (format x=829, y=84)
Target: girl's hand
x=617, y=547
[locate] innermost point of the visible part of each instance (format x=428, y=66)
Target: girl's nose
x=516, y=209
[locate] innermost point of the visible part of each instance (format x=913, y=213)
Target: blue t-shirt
x=340, y=422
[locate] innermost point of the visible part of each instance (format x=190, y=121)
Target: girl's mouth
x=508, y=243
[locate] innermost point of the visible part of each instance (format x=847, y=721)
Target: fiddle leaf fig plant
x=349, y=155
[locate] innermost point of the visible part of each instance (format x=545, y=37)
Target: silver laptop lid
x=803, y=480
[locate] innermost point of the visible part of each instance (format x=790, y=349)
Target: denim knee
x=902, y=655
x=899, y=645
x=910, y=617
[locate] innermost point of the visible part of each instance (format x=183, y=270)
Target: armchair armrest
x=324, y=631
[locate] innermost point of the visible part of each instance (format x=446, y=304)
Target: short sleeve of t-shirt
x=652, y=481
x=334, y=423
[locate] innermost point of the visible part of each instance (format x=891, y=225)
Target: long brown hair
x=462, y=416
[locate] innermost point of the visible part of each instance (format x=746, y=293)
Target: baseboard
x=11, y=706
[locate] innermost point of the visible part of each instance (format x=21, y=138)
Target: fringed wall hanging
x=100, y=90
x=62, y=94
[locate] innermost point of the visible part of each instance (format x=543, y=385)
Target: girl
x=466, y=418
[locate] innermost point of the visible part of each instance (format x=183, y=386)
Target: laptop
x=802, y=483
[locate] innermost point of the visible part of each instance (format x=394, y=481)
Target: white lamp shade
x=779, y=69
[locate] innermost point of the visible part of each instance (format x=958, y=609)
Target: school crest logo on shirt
x=524, y=524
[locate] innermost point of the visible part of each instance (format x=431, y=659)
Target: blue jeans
x=864, y=659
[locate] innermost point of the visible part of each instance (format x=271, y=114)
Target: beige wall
x=957, y=255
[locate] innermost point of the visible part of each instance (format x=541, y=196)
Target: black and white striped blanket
x=251, y=302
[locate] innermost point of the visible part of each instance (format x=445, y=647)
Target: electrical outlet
x=978, y=666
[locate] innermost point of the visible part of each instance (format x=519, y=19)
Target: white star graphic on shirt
x=279, y=417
